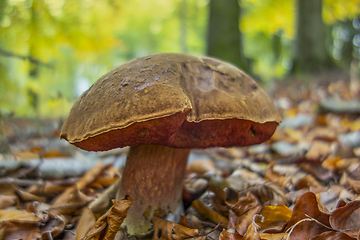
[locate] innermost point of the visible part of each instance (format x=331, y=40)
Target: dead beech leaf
x=171, y=231
x=244, y=221
x=274, y=236
x=275, y=177
x=87, y=220
x=347, y=218
x=332, y=163
x=209, y=213
x=7, y=201
x=48, y=190
x=318, y=150
x=244, y=204
x=72, y=199
x=354, y=184
x=309, y=181
x=269, y=194
x=317, y=171
x=307, y=205
x=22, y=231
x=201, y=166
x=28, y=197
x=271, y=214
x=252, y=231
x=230, y=234
x=18, y=216
x=108, y=224
x=52, y=153
x=331, y=235
x=69, y=201
x=17, y=224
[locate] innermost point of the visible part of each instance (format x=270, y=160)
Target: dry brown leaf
x=201, y=166
x=72, y=199
x=271, y=214
x=230, y=234
x=307, y=206
x=354, y=184
x=322, y=133
x=275, y=177
x=17, y=224
x=347, y=218
x=108, y=224
x=7, y=201
x=330, y=235
x=28, y=197
x=209, y=213
x=54, y=153
x=18, y=216
x=47, y=190
x=54, y=226
x=309, y=181
x=91, y=175
x=87, y=220
x=318, y=150
x=232, y=220
x=274, y=236
x=268, y=194
x=22, y=231
x=171, y=231
x=69, y=201
x=244, y=204
x=331, y=163
x=244, y=221
x=252, y=231
x=317, y=171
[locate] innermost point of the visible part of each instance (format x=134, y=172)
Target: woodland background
x=53, y=50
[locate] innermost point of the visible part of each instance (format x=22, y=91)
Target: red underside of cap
x=175, y=131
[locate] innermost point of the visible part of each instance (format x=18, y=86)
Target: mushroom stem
x=153, y=177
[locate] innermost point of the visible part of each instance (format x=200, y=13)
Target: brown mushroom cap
x=170, y=99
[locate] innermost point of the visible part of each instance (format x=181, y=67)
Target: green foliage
x=53, y=47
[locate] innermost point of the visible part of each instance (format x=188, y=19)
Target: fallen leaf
x=87, y=220
x=7, y=201
x=301, y=226
x=252, y=231
x=201, y=167
x=108, y=224
x=230, y=234
x=331, y=235
x=171, y=231
x=347, y=218
x=244, y=221
x=269, y=194
x=272, y=214
x=69, y=201
x=318, y=150
x=209, y=213
x=275, y=177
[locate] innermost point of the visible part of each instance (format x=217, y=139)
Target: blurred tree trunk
x=224, y=36
x=310, y=47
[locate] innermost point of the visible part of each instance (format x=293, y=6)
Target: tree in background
x=310, y=53
x=224, y=38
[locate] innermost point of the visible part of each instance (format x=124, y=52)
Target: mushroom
x=162, y=105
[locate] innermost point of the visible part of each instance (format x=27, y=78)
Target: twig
x=29, y=58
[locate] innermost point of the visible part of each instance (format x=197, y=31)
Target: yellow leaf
x=274, y=213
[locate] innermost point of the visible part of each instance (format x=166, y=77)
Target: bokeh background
x=53, y=50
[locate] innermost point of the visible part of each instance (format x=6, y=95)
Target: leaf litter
x=303, y=183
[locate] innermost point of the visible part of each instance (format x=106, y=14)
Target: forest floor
x=303, y=183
